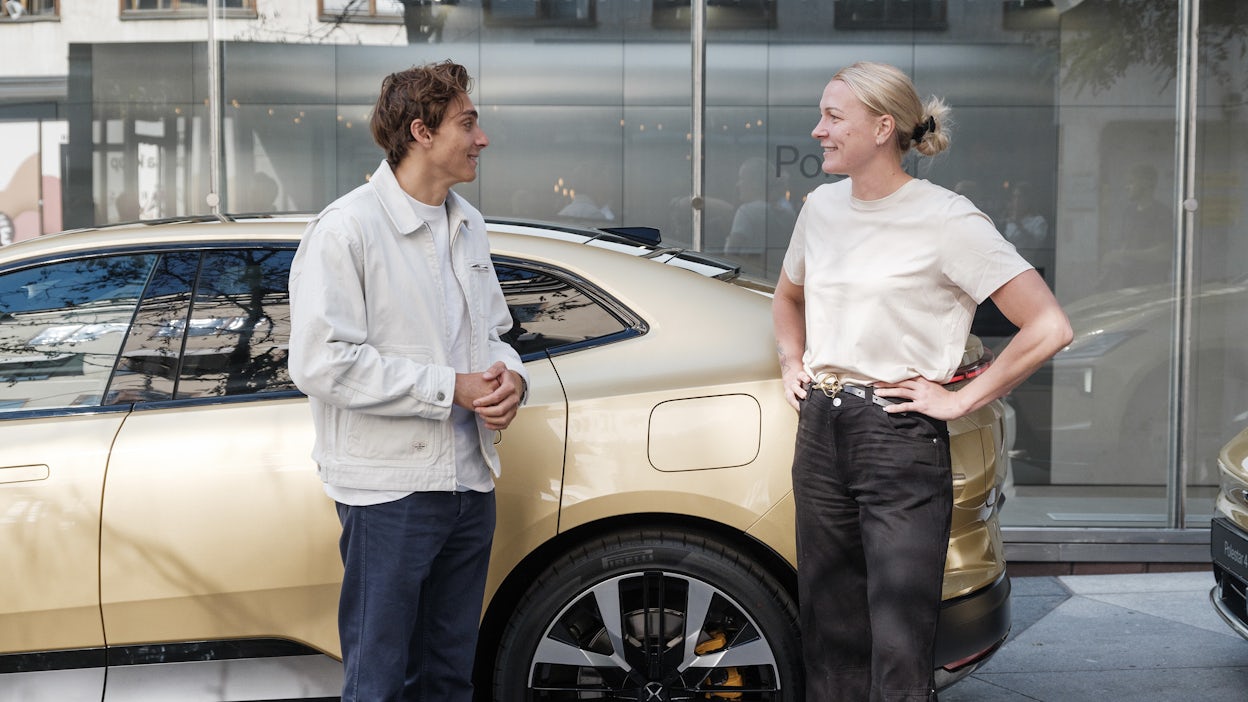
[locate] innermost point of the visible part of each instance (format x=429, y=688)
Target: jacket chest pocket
x=477, y=281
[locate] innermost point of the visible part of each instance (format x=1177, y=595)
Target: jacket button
x=441, y=396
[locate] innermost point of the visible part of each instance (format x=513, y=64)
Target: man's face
x=458, y=142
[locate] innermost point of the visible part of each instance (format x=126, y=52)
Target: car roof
x=163, y=232
x=212, y=230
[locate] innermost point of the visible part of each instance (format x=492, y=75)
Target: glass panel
x=539, y=11
x=239, y=329
x=1093, y=428
x=337, y=7
x=548, y=312
x=1047, y=135
x=750, y=209
x=269, y=166
x=550, y=95
x=149, y=364
x=30, y=199
x=16, y=9
x=578, y=185
x=184, y=5
x=746, y=212
x=890, y=14
x=61, y=326
x=720, y=14
x=657, y=171
x=279, y=153
x=1220, y=372
x=138, y=116
x=513, y=9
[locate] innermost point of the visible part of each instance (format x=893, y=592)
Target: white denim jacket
x=368, y=340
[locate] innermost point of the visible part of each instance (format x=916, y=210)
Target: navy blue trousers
x=874, y=497
x=411, y=596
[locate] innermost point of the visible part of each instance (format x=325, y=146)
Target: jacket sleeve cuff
x=440, y=393
x=524, y=379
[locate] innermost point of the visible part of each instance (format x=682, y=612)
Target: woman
x=872, y=312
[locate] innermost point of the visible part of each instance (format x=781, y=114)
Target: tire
x=607, y=621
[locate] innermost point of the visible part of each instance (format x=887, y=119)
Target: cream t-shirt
x=891, y=285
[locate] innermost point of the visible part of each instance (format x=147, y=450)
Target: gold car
x=1228, y=536
x=165, y=535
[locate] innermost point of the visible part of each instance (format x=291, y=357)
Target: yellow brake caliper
x=720, y=677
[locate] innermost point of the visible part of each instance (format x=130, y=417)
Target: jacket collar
x=402, y=216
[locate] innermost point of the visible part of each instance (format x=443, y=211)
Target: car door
x=61, y=325
x=531, y=449
x=217, y=542
x=216, y=531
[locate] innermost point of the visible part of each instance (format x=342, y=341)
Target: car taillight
x=974, y=368
x=973, y=658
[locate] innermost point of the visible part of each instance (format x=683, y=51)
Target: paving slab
x=1103, y=638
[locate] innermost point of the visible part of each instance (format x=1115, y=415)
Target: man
x=756, y=216
x=396, y=319
x=1142, y=251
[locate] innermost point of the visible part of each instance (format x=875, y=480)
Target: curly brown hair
x=418, y=93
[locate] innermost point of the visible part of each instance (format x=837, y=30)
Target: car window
x=228, y=337
x=239, y=329
x=61, y=326
x=550, y=312
x=148, y=365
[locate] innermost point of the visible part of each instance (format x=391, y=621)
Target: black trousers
x=874, y=498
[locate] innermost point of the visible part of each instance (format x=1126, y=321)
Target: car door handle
x=21, y=474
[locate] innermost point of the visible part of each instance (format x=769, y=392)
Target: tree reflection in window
x=549, y=313
x=239, y=330
x=227, y=338
x=61, y=326
x=147, y=367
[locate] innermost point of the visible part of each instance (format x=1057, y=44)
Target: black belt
x=865, y=392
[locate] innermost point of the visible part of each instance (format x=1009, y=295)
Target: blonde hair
x=886, y=90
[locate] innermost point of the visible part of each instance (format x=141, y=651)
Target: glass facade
x=1107, y=140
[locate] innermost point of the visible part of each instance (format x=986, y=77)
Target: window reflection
x=229, y=338
x=540, y=12
x=61, y=326
x=548, y=313
x=349, y=9
x=147, y=368
x=239, y=328
x=891, y=14
x=21, y=9
x=720, y=14
x=155, y=6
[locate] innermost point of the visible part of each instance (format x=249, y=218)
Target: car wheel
x=652, y=616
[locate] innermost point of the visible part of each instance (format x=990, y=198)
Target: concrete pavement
x=1150, y=637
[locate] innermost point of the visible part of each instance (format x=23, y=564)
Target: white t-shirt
x=891, y=285
x=471, y=471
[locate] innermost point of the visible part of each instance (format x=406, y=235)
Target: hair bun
x=928, y=125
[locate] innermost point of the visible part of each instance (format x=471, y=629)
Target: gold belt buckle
x=830, y=388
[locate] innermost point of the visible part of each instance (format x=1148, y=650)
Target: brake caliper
x=720, y=677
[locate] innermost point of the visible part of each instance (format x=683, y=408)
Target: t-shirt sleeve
x=795, y=256
x=977, y=258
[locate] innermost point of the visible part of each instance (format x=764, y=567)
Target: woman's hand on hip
x=923, y=396
x=795, y=380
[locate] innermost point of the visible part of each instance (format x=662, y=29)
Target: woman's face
x=848, y=132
